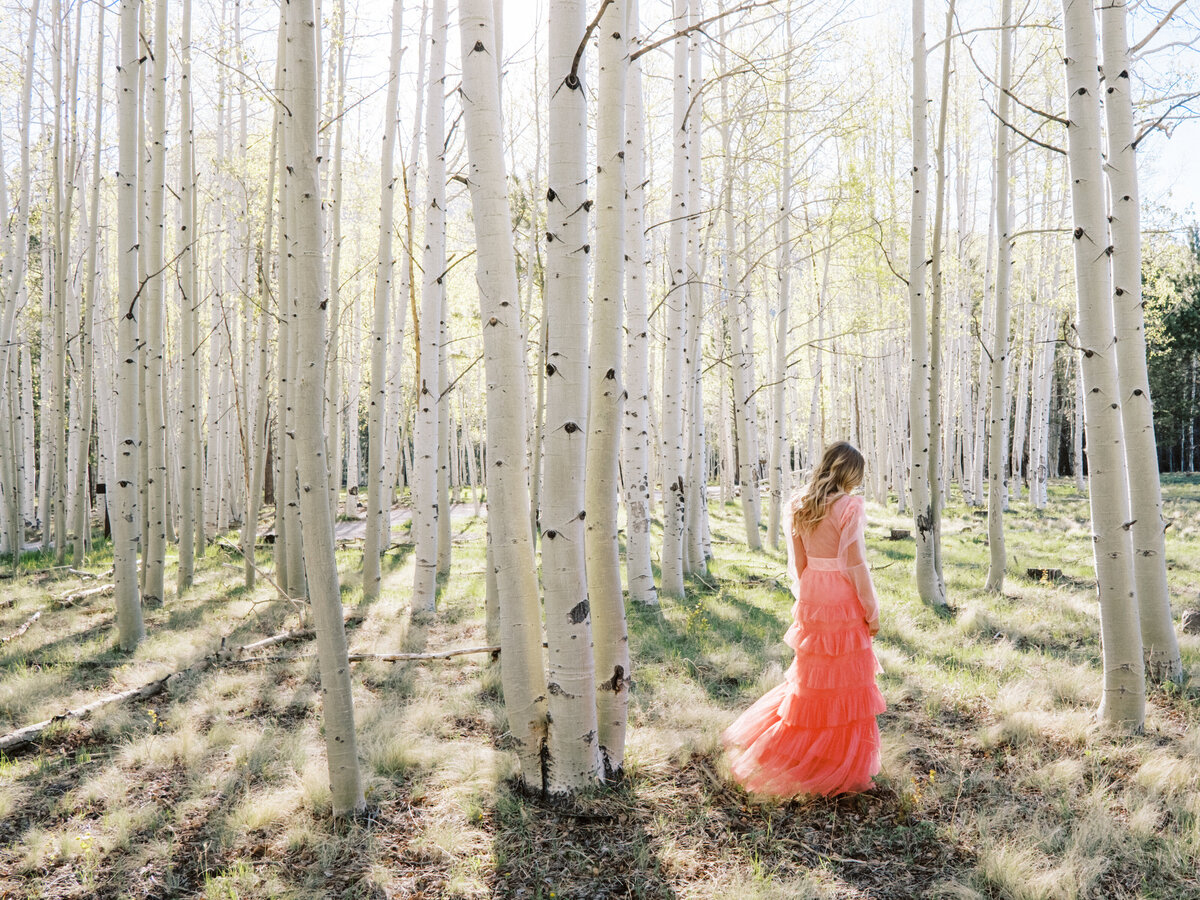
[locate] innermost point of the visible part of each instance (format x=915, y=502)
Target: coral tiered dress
x=816, y=732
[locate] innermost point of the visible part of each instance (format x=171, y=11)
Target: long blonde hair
x=840, y=469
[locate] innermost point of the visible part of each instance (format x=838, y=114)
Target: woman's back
x=825, y=540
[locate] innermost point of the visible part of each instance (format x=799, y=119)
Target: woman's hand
x=872, y=626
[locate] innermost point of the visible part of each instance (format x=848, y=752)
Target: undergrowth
x=997, y=781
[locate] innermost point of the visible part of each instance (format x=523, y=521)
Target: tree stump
x=1044, y=574
x=900, y=534
x=1191, y=621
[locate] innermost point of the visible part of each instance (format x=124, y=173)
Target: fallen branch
x=24, y=628
x=72, y=597
x=369, y=657
x=30, y=733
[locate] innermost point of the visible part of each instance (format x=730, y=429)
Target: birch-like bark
x=779, y=374
x=511, y=545
x=429, y=388
x=606, y=395
x=375, y=540
x=998, y=418
x=91, y=292
x=935, y=331
x=152, y=320
x=320, y=562
x=695, y=558
x=1159, y=643
x=572, y=748
x=671, y=432
x=639, y=573
x=735, y=311
x=1124, y=698
x=124, y=491
x=12, y=292
x=921, y=472
x=189, y=451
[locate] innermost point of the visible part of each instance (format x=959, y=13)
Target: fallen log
x=372, y=657
x=24, y=628
x=72, y=597
x=31, y=733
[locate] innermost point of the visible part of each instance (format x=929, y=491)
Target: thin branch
x=1017, y=130
x=1156, y=29
x=573, y=77
x=699, y=26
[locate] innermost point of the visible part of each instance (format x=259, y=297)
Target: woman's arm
x=853, y=556
x=797, y=560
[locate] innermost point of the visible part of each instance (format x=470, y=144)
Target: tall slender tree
x=1159, y=644
x=319, y=560
x=1124, y=698
x=375, y=541
x=511, y=542
x=124, y=491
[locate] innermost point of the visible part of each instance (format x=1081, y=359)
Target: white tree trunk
x=779, y=415
x=606, y=395
x=320, y=562
x=1124, y=697
x=375, y=541
x=921, y=473
x=1159, y=644
x=429, y=387
x=123, y=492
x=639, y=573
x=511, y=546
x=998, y=419
x=152, y=321
x=574, y=756
x=671, y=432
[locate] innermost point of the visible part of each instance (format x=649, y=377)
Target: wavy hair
x=840, y=469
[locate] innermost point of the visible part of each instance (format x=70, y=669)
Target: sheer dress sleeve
x=797, y=558
x=852, y=556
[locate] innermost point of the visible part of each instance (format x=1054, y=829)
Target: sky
x=1169, y=168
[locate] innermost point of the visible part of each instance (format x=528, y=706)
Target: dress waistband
x=824, y=563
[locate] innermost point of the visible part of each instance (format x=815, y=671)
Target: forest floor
x=996, y=782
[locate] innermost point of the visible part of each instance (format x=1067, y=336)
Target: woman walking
x=816, y=732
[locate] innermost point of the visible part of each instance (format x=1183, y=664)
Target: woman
x=816, y=732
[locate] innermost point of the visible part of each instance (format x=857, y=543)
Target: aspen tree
x=333, y=365
x=998, y=418
x=574, y=754
x=671, y=432
x=152, y=320
x=736, y=310
x=259, y=426
x=936, y=419
x=511, y=543
x=91, y=290
x=375, y=542
x=606, y=394
x=1159, y=644
x=124, y=491
x=12, y=285
x=922, y=475
x=695, y=556
x=429, y=388
x=636, y=449
x=1124, y=697
x=779, y=374
x=189, y=451
x=320, y=562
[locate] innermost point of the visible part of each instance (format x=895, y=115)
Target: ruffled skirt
x=816, y=732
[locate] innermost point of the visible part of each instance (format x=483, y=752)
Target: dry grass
x=997, y=782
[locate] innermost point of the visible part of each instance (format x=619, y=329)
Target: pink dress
x=816, y=732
